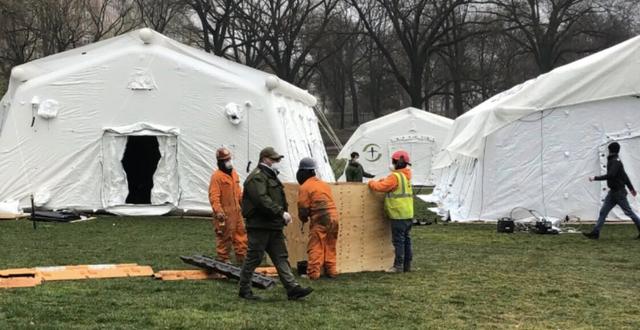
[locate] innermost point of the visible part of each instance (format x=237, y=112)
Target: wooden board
x=13, y=216
x=199, y=274
x=80, y=272
x=364, y=241
x=20, y=282
x=179, y=275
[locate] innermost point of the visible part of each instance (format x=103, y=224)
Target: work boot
x=591, y=235
x=298, y=292
x=407, y=269
x=248, y=295
x=393, y=270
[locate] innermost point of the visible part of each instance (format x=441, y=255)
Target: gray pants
x=614, y=198
x=272, y=242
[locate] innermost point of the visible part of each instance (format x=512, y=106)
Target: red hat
x=401, y=154
x=223, y=154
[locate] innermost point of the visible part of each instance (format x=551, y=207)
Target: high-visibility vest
x=398, y=204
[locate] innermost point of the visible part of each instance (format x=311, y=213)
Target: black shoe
x=407, y=269
x=248, y=295
x=298, y=292
x=591, y=235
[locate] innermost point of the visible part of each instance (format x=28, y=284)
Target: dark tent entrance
x=140, y=161
x=140, y=169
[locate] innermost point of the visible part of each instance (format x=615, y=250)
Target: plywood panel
x=364, y=242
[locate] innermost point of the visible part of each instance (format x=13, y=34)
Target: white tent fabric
x=419, y=132
x=534, y=145
x=68, y=152
x=614, y=72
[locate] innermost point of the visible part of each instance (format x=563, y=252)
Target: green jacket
x=263, y=200
x=355, y=172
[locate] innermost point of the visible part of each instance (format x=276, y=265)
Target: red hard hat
x=401, y=154
x=223, y=154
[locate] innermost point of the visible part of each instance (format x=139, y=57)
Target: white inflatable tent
x=535, y=145
x=70, y=123
x=417, y=131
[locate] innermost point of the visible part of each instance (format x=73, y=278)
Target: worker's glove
x=221, y=216
x=287, y=218
x=221, y=226
x=591, y=178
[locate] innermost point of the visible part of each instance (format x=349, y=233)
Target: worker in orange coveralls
x=225, y=195
x=315, y=204
x=398, y=205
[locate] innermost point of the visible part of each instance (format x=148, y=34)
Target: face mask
x=392, y=167
x=277, y=167
x=228, y=165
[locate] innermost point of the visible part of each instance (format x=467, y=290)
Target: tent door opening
x=140, y=161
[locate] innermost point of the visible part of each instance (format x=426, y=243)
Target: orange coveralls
x=315, y=200
x=225, y=195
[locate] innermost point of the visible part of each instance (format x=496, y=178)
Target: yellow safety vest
x=398, y=204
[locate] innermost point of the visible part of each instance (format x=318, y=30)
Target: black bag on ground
x=506, y=225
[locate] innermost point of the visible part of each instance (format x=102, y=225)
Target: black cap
x=614, y=148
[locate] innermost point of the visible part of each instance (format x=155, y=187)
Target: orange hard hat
x=401, y=154
x=223, y=154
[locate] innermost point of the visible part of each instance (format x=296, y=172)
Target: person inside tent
x=264, y=207
x=225, y=196
x=316, y=205
x=398, y=205
x=617, y=179
x=354, y=171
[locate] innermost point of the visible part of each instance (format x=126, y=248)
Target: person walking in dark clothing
x=354, y=171
x=617, y=179
x=264, y=207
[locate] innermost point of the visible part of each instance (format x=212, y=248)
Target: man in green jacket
x=354, y=171
x=264, y=207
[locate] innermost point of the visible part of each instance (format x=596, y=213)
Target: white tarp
x=416, y=131
x=144, y=84
x=608, y=74
x=535, y=145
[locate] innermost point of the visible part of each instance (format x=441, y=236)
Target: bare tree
x=551, y=29
x=109, y=17
x=216, y=18
x=18, y=35
x=62, y=24
x=419, y=27
x=159, y=14
x=287, y=31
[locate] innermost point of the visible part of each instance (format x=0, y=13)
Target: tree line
x=362, y=58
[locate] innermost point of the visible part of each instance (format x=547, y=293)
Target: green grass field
x=466, y=276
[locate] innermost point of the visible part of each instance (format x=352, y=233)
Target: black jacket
x=616, y=176
x=263, y=200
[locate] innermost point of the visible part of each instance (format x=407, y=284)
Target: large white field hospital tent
x=535, y=145
x=416, y=131
x=85, y=128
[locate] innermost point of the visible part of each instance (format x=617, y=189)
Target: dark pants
x=400, y=230
x=272, y=242
x=614, y=198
